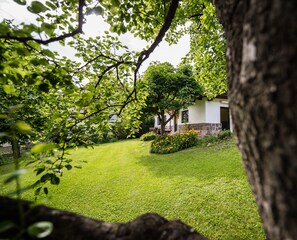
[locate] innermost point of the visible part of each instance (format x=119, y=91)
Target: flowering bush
x=174, y=143
x=148, y=136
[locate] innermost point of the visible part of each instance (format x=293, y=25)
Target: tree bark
x=261, y=63
x=15, y=147
x=72, y=226
x=162, y=122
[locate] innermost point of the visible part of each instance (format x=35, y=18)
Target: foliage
x=209, y=140
x=208, y=50
x=147, y=122
x=174, y=143
x=224, y=134
x=216, y=138
x=169, y=90
x=148, y=136
x=5, y=159
x=205, y=187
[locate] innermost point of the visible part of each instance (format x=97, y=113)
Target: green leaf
x=42, y=147
x=115, y=3
x=9, y=89
x=15, y=175
x=48, y=28
x=48, y=53
x=40, y=229
x=51, y=5
x=34, y=45
x=21, y=2
x=4, y=28
x=37, y=7
x=6, y=225
x=23, y=127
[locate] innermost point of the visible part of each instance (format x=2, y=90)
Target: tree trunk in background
x=162, y=122
x=15, y=147
x=262, y=81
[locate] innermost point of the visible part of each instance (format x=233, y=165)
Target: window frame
x=185, y=116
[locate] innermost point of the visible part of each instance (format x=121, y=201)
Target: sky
x=163, y=53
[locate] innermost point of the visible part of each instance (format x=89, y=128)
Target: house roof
x=222, y=96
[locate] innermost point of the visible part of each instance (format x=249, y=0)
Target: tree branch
x=198, y=15
x=107, y=70
x=169, y=119
x=165, y=27
x=81, y=5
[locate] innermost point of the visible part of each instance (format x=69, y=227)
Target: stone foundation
x=205, y=129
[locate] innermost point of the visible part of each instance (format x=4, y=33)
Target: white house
x=209, y=117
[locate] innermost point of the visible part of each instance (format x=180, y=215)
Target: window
x=185, y=116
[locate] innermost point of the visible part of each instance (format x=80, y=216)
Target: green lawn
x=205, y=187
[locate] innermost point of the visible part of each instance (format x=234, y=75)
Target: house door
x=225, y=118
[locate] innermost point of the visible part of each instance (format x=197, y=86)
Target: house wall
x=169, y=125
x=212, y=109
x=196, y=113
x=203, y=115
x=213, y=114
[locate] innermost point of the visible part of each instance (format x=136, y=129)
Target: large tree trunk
x=262, y=74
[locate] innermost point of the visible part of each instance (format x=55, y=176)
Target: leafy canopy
x=169, y=89
x=208, y=50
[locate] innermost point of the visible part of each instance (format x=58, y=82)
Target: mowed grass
x=205, y=187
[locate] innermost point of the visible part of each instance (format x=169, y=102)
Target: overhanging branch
x=81, y=5
x=165, y=27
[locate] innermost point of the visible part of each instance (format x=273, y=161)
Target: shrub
x=164, y=144
x=225, y=134
x=209, y=139
x=148, y=136
x=146, y=124
x=5, y=159
x=174, y=143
